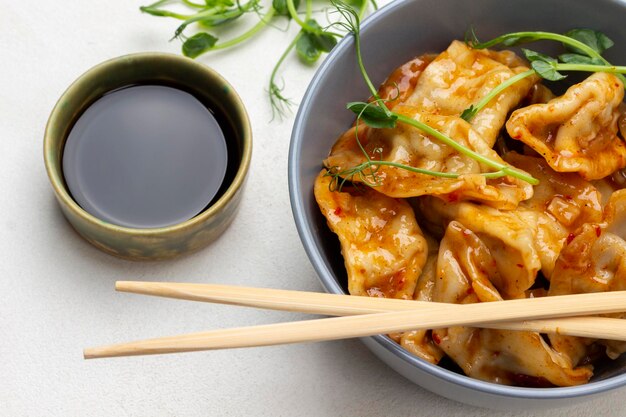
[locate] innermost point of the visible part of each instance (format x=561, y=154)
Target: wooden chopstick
x=428, y=316
x=342, y=305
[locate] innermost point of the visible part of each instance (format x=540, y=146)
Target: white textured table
x=57, y=291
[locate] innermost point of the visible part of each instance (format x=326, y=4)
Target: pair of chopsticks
x=367, y=316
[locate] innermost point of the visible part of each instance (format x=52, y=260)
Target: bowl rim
x=56, y=177
x=330, y=285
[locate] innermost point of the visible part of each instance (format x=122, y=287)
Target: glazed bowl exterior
x=155, y=243
x=395, y=34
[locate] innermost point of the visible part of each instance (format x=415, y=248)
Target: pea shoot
x=376, y=114
x=311, y=42
x=584, y=46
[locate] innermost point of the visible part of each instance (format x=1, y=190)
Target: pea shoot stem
x=277, y=100
x=541, y=36
x=589, y=51
x=192, y=4
x=506, y=169
x=153, y=9
x=353, y=24
x=471, y=112
x=294, y=15
x=250, y=33
x=591, y=68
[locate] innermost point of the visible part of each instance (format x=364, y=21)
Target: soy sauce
x=145, y=156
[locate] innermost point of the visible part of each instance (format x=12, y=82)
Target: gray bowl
x=392, y=36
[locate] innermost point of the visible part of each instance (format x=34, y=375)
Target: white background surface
x=56, y=291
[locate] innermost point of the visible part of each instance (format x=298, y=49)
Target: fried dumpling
x=382, y=245
x=401, y=82
x=464, y=271
x=462, y=76
x=407, y=145
x=508, y=239
x=567, y=197
x=560, y=204
x=420, y=342
x=576, y=132
x=593, y=260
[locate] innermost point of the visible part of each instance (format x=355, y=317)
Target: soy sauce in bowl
x=145, y=156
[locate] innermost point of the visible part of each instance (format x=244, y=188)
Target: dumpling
x=420, y=342
x=539, y=93
x=464, y=271
x=462, y=76
x=576, y=132
x=382, y=245
x=407, y=145
x=508, y=240
x=560, y=204
x=401, y=82
x=593, y=260
x=567, y=197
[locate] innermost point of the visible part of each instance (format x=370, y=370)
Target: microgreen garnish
x=471, y=111
x=376, y=114
x=544, y=65
x=594, y=39
x=373, y=115
x=585, y=48
x=581, y=41
x=311, y=42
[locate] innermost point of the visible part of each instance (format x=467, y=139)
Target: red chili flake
x=338, y=211
x=570, y=237
x=520, y=265
x=569, y=197
x=436, y=338
x=598, y=230
x=453, y=197
x=470, y=290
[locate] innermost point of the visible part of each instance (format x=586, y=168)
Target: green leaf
x=544, y=65
x=594, y=39
x=579, y=59
x=373, y=115
x=547, y=70
x=323, y=41
x=469, y=113
x=281, y=7
x=533, y=56
x=198, y=44
x=307, y=49
x=310, y=45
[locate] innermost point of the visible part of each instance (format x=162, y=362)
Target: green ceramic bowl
x=206, y=84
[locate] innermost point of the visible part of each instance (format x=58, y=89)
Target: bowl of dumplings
x=433, y=223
